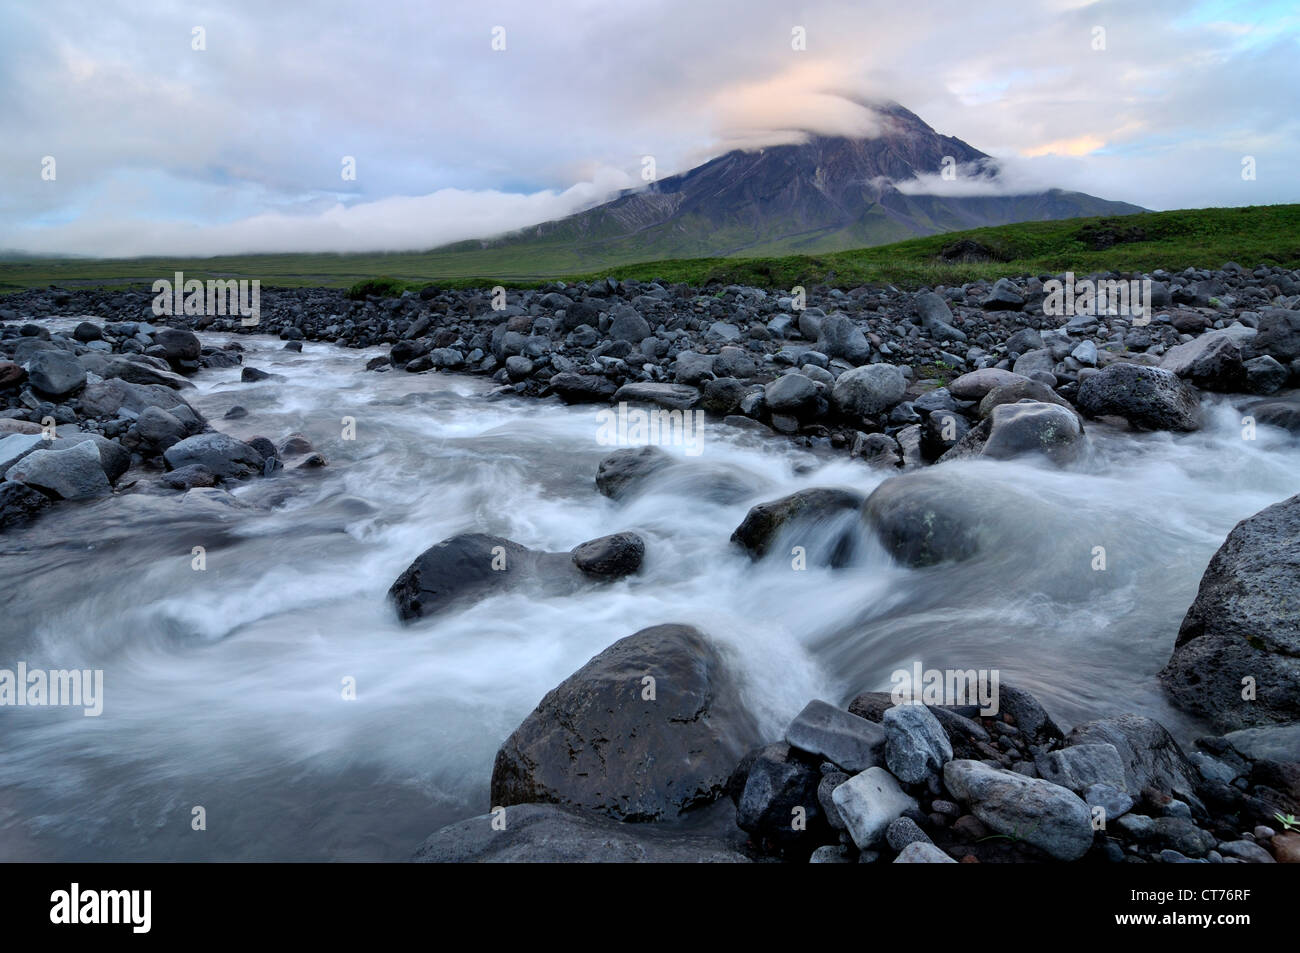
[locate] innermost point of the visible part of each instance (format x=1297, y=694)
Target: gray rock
x=916, y=745
x=16, y=446
x=817, y=513
x=1114, y=802
x=1212, y=361
x=1280, y=743
x=1081, y=767
x=56, y=373
x=616, y=555
x=780, y=787
x=624, y=472
x=903, y=831
x=1279, y=334
x=1003, y=297
x=575, y=388
x=1149, y=398
x=1150, y=755
x=869, y=390
x=600, y=741
x=869, y=802
x=936, y=317
x=670, y=396
x=693, y=369
x=628, y=325
x=1034, y=427
x=853, y=743
x=791, y=394
x=225, y=456
x=1243, y=624
x=922, y=853
x=840, y=337
x=977, y=384
x=1044, y=814
x=1246, y=850
x=74, y=473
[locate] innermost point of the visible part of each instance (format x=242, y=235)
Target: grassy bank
x=1205, y=238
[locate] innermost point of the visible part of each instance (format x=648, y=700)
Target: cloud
x=238, y=146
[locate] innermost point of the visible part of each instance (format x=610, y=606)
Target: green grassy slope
x=1174, y=240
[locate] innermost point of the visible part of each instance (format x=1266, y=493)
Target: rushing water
x=224, y=687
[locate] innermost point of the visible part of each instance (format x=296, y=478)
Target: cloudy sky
x=240, y=146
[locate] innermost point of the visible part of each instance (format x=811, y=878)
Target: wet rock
x=812, y=512
x=582, y=388
x=55, y=373
x=779, y=799
x=616, y=555
x=1151, y=757
x=1243, y=625
x=1149, y=398
x=599, y=741
x=19, y=503
x=225, y=456
x=624, y=471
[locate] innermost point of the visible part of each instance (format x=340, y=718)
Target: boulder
x=868, y=390
x=1149, y=398
x=616, y=555
x=1279, y=334
x=813, y=512
x=977, y=384
x=609, y=740
x=835, y=735
x=624, y=471
x=919, y=852
x=840, y=337
x=869, y=802
x=582, y=388
x=780, y=785
x=55, y=373
x=1034, y=427
x=1151, y=757
x=1211, y=361
x=1080, y=767
x=920, y=521
x=916, y=745
x=19, y=503
x=1039, y=812
x=792, y=395
x=670, y=396
x=74, y=473
x=220, y=453
x=936, y=317
x=1243, y=624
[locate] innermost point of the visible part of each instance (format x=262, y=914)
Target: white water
x=223, y=688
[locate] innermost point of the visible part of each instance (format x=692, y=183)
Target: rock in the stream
x=649, y=728
x=815, y=514
x=1244, y=625
x=623, y=472
x=220, y=453
x=1149, y=398
x=616, y=555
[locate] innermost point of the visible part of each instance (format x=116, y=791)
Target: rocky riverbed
x=938, y=437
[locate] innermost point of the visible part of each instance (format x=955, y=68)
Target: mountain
x=825, y=194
